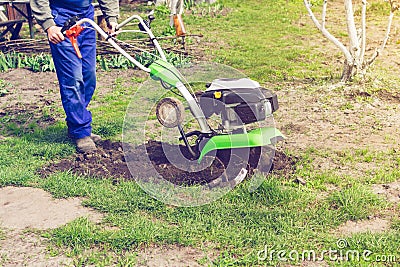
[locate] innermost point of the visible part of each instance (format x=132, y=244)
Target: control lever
x=69, y=23
x=72, y=31
x=147, y=22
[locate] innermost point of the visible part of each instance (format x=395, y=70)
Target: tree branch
x=324, y=13
x=328, y=35
x=363, y=28
x=378, y=51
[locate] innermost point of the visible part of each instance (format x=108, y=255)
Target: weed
x=44, y=62
x=4, y=86
x=145, y=58
x=355, y=202
x=189, y=4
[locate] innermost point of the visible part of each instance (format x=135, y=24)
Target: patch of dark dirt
x=284, y=165
x=383, y=95
x=150, y=160
x=393, y=97
x=354, y=93
x=291, y=127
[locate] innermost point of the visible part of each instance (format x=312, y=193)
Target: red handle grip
x=72, y=34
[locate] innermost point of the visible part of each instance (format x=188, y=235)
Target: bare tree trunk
x=355, y=62
x=347, y=73
x=351, y=29
x=327, y=34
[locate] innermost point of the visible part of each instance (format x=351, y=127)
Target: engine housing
x=238, y=102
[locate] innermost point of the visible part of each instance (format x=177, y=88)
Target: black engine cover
x=250, y=102
x=249, y=113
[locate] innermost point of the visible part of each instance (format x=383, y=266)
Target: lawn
x=344, y=140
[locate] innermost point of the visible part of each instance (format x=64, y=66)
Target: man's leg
x=69, y=70
x=87, y=44
x=72, y=90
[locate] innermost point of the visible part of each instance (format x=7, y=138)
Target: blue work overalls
x=77, y=77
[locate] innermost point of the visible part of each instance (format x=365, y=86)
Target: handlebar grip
x=72, y=33
x=147, y=22
x=64, y=29
x=69, y=23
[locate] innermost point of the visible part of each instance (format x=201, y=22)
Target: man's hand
x=111, y=28
x=55, y=35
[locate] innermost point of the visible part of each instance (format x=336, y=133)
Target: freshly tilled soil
x=144, y=161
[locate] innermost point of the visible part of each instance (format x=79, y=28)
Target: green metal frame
x=166, y=72
x=254, y=138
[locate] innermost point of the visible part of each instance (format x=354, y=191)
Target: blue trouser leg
x=88, y=51
x=77, y=77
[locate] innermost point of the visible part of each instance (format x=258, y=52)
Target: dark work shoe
x=96, y=138
x=85, y=145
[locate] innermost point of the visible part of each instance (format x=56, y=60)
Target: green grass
x=278, y=214
x=21, y=156
x=266, y=44
x=374, y=167
x=4, y=87
x=240, y=223
x=355, y=202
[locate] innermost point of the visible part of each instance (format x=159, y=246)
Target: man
x=176, y=8
x=76, y=77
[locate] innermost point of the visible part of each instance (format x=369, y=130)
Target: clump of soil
x=150, y=160
x=283, y=164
